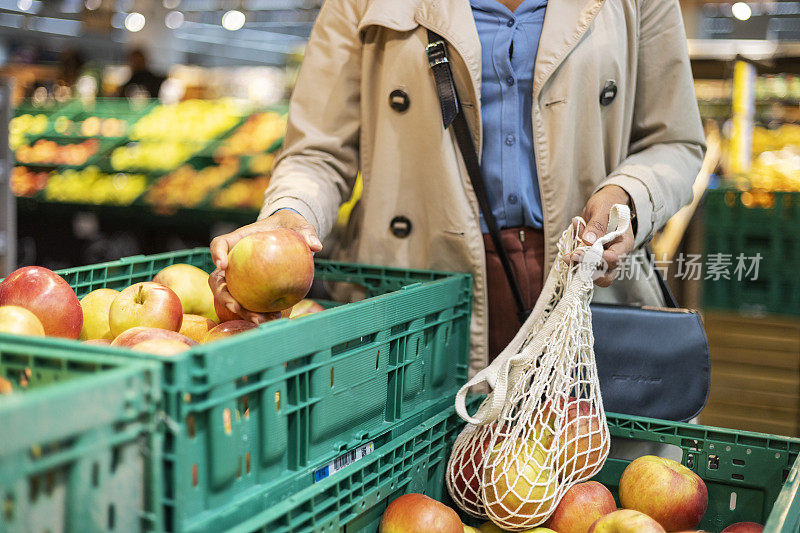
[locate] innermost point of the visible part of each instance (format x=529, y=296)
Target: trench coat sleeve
x=317, y=168
x=667, y=142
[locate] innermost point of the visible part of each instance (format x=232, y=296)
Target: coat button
x=400, y=226
x=399, y=100
x=609, y=93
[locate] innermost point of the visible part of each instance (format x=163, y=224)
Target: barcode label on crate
x=343, y=460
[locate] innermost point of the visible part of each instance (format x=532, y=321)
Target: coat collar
x=565, y=23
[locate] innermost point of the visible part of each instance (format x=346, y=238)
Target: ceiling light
x=741, y=11
x=233, y=20
x=134, y=22
x=173, y=20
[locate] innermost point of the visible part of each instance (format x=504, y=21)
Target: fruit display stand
x=79, y=451
x=251, y=418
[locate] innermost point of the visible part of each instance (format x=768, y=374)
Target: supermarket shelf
x=730, y=49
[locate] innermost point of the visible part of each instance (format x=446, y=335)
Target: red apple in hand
x=581, y=506
x=19, y=321
x=145, y=304
x=417, y=513
x=270, y=270
x=45, y=294
x=132, y=337
x=626, y=521
x=666, y=490
x=744, y=527
x=226, y=329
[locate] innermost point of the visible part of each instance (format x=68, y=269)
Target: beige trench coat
x=649, y=140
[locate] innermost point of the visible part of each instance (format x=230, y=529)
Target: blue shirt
x=509, y=42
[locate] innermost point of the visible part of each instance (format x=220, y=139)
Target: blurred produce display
x=26, y=182
x=258, y=134
x=48, y=152
x=23, y=125
x=92, y=186
x=152, y=155
x=195, y=154
x=765, y=140
x=244, y=193
x=189, y=121
x=189, y=187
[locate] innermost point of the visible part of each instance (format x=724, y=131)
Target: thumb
x=309, y=234
x=595, y=228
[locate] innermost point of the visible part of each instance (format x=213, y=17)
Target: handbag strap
x=452, y=114
x=669, y=296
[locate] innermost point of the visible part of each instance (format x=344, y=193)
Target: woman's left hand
x=596, y=216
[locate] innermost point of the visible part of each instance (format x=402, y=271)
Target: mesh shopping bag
x=542, y=428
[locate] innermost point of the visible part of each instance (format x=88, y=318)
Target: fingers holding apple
x=227, y=308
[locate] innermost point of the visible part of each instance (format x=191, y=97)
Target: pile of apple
x=657, y=494
x=269, y=272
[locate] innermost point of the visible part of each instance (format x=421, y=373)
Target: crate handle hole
x=226, y=421
x=738, y=477
x=194, y=475
x=111, y=516
x=738, y=462
x=190, y=425
x=733, y=501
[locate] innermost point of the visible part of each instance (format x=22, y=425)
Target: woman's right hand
x=220, y=246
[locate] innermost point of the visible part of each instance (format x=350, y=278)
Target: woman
x=576, y=104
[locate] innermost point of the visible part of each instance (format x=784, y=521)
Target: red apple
x=467, y=473
x=195, y=327
x=145, y=304
x=98, y=342
x=191, y=285
x=134, y=336
x=666, y=490
x=45, y=294
x=270, y=270
x=305, y=307
x=744, y=527
x=582, y=440
x=224, y=314
x=95, y=306
x=581, y=506
x=19, y=321
x=161, y=346
x=417, y=513
x=625, y=521
x=226, y=329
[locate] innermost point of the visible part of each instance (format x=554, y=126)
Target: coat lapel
x=565, y=22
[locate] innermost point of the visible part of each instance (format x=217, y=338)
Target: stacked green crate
x=79, y=449
x=734, y=228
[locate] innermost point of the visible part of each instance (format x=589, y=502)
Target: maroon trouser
x=525, y=247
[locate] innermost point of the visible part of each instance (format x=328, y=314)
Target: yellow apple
x=191, y=285
x=19, y=321
x=519, y=486
x=195, y=327
x=95, y=306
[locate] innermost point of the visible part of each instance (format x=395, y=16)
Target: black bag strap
x=451, y=114
x=669, y=296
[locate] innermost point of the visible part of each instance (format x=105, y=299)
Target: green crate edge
x=120, y=370
x=784, y=516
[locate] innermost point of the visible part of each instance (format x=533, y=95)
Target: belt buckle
x=437, y=53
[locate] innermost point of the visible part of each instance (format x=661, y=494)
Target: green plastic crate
x=751, y=477
x=734, y=228
x=247, y=413
x=79, y=451
x=354, y=499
